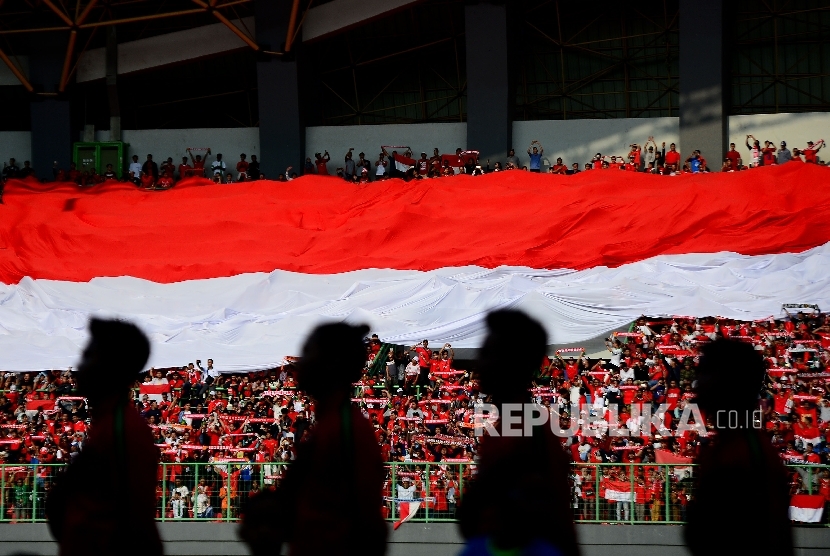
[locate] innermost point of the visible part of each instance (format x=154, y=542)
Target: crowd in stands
x=647, y=157
x=422, y=407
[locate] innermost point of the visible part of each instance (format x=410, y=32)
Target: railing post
x=596, y=492
x=666, y=488
x=34, y=493
x=195, y=494
x=632, y=503
x=394, y=490
x=460, y=486
x=163, y=491
x=426, y=495
x=229, y=496
x=3, y=492
x=810, y=480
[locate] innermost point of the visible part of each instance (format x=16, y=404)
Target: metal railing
x=601, y=492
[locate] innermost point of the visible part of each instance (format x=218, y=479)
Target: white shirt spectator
x=616, y=356
x=574, y=395
x=182, y=490
x=135, y=169
x=406, y=493
x=626, y=373
x=218, y=167
x=178, y=508
x=202, y=503
x=645, y=330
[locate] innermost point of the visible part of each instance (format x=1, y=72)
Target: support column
x=704, y=82
x=51, y=118
x=112, y=84
x=489, y=102
x=281, y=127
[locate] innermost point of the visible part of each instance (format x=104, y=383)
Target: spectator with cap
x=784, y=154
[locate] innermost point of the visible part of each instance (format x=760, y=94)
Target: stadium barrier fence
x=624, y=493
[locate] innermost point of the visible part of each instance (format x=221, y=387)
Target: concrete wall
x=161, y=143
x=795, y=129
x=368, y=138
x=412, y=539
x=17, y=145
x=573, y=140
x=579, y=140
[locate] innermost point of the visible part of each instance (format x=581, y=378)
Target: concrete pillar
x=489, y=94
x=704, y=83
x=112, y=84
x=281, y=127
x=50, y=115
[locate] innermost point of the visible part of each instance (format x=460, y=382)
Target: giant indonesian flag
x=807, y=508
x=242, y=272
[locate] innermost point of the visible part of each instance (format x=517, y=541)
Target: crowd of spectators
x=648, y=157
x=422, y=407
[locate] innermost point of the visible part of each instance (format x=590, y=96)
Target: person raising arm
x=812, y=150
x=535, y=155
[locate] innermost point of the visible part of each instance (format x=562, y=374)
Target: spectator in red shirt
x=768, y=153
x=242, y=168
x=733, y=156
x=559, y=168
x=671, y=158
x=811, y=152
x=321, y=161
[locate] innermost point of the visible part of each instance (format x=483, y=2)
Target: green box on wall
x=96, y=156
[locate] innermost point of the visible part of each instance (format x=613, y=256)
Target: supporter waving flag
x=402, y=162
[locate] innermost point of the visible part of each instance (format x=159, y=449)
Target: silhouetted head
x=729, y=376
x=511, y=354
x=112, y=360
x=333, y=358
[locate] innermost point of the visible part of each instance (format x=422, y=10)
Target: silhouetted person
x=105, y=503
x=740, y=500
x=520, y=498
x=331, y=497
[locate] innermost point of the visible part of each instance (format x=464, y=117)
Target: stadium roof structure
x=142, y=19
